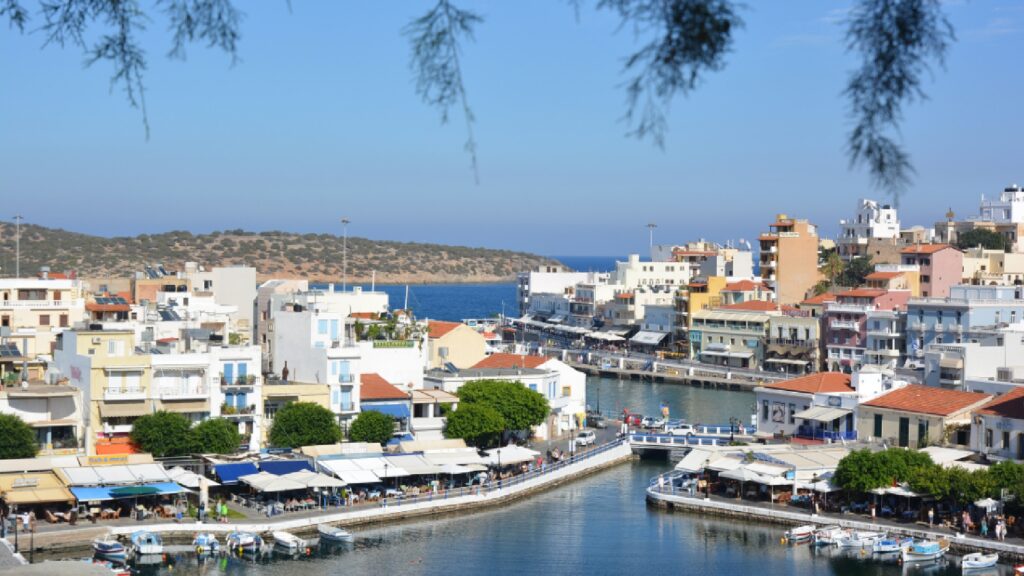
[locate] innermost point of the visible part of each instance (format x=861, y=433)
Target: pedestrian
x=984, y=527
x=931, y=517
x=872, y=512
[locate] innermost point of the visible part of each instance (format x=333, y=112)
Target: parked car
x=652, y=422
x=586, y=438
x=595, y=420
x=633, y=419
x=682, y=429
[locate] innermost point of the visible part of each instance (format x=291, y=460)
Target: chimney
x=44, y=272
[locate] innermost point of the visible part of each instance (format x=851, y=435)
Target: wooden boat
x=206, y=543
x=800, y=533
x=925, y=550
x=978, y=560
x=859, y=539
x=144, y=542
x=288, y=542
x=244, y=541
x=828, y=535
x=890, y=545
x=333, y=533
x=109, y=548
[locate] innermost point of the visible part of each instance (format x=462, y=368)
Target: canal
x=598, y=525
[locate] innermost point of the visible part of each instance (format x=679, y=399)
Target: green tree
x=372, y=426
x=967, y=486
x=304, y=424
x=856, y=271
x=478, y=424
x=861, y=471
x=520, y=407
x=833, y=267
x=163, y=434
x=17, y=439
x=1009, y=475
x=987, y=239
x=216, y=436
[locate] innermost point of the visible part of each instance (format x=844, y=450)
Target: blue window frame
x=321, y=327
x=243, y=369
x=229, y=373
x=346, y=399
x=334, y=329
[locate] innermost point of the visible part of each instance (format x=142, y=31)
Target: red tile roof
x=883, y=275
x=437, y=329
x=742, y=286
x=624, y=295
x=364, y=315
x=1009, y=405
x=373, y=387
x=925, y=248
x=815, y=383
x=502, y=360
x=820, y=299
x=927, y=400
x=862, y=293
x=490, y=335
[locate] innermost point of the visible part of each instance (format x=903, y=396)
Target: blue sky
x=320, y=119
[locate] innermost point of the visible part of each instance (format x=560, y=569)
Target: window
x=764, y=410
x=922, y=433
x=878, y=426
x=44, y=319
x=346, y=399
x=792, y=413
x=1006, y=440
x=988, y=437
x=63, y=320
x=533, y=387
x=321, y=327
x=115, y=348
x=904, y=433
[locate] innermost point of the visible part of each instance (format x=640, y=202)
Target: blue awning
x=393, y=410
x=282, y=467
x=399, y=439
x=229, y=473
x=101, y=493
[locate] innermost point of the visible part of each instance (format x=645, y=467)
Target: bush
x=17, y=439
x=163, y=434
x=216, y=436
x=304, y=424
x=372, y=426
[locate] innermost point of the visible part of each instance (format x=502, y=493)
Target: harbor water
x=597, y=525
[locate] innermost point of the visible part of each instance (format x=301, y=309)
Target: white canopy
x=188, y=479
x=413, y=464
x=464, y=456
x=743, y=474
x=380, y=467
x=986, y=503
x=453, y=469
x=265, y=482
x=314, y=479
x=724, y=464
x=694, y=461
x=349, y=472
x=510, y=454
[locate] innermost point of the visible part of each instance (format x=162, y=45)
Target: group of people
x=995, y=524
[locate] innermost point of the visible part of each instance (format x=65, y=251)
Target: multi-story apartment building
x=233, y=286
x=895, y=277
x=729, y=337
x=794, y=343
x=967, y=310
x=941, y=267
x=53, y=411
x=789, y=258
x=701, y=293
x=33, y=311
x=588, y=303
x=550, y=280
x=873, y=221
x=845, y=324
x=886, y=337
x=993, y=267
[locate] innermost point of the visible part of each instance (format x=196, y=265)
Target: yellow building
x=455, y=343
x=33, y=311
x=789, y=258
x=114, y=381
x=276, y=396
x=701, y=294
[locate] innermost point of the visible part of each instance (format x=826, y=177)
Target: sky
x=320, y=120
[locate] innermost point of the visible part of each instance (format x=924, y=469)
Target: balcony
x=850, y=308
x=884, y=333
x=427, y=424
x=346, y=379
x=241, y=383
x=38, y=304
x=845, y=325
x=821, y=434
x=792, y=343
x=236, y=413
x=124, y=394
x=885, y=352
x=184, y=393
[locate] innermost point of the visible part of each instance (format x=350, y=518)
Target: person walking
x=931, y=517
x=984, y=526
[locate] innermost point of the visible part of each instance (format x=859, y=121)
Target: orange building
x=789, y=258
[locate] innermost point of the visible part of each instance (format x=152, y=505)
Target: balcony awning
x=400, y=411
x=125, y=409
x=955, y=363
x=822, y=413
x=34, y=488
x=788, y=361
x=648, y=337
x=728, y=354
x=185, y=407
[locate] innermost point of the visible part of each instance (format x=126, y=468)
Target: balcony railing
x=346, y=379
x=845, y=325
x=425, y=424
x=237, y=412
x=247, y=381
x=821, y=434
x=184, y=392
x=850, y=308
x=792, y=342
x=39, y=303
x=124, y=394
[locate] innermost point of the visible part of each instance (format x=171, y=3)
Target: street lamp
x=707, y=480
x=814, y=488
x=17, y=245
x=344, y=253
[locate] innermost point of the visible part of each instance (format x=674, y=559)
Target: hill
x=273, y=254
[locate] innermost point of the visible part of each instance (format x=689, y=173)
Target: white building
x=54, y=412
x=34, y=310
x=634, y=273
x=1009, y=209
x=991, y=362
x=997, y=428
x=233, y=286
x=553, y=282
x=873, y=221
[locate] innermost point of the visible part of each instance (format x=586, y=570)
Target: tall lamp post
x=344, y=253
x=707, y=480
x=650, y=229
x=17, y=245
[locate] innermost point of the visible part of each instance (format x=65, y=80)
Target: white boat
x=800, y=533
x=333, y=533
x=977, y=560
x=205, y=543
x=858, y=539
x=288, y=542
x=890, y=545
x=925, y=550
x=109, y=548
x=144, y=542
x=244, y=541
x=828, y=535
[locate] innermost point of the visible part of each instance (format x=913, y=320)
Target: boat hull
x=977, y=561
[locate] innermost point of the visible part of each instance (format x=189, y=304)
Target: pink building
x=942, y=266
x=844, y=324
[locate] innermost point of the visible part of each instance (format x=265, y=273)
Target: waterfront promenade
x=673, y=498
x=387, y=510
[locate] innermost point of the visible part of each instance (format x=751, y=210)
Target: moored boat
x=206, y=543
x=244, y=541
x=333, y=533
x=978, y=560
x=858, y=539
x=925, y=550
x=288, y=542
x=828, y=535
x=108, y=547
x=890, y=545
x=800, y=533
x=144, y=542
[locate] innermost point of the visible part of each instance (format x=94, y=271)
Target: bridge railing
x=668, y=440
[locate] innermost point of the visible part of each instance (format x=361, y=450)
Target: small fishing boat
x=144, y=542
x=109, y=548
x=859, y=539
x=978, y=560
x=205, y=543
x=244, y=541
x=800, y=533
x=925, y=550
x=288, y=542
x=890, y=545
x=828, y=535
x=333, y=534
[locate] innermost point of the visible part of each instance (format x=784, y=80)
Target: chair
x=50, y=517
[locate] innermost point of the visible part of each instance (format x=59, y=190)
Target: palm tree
x=833, y=267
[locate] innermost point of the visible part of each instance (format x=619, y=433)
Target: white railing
x=124, y=394
x=40, y=303
x=189, y=392
x=850, y=308
x=845, y=325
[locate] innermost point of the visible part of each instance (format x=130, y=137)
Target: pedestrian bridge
x=642, y=441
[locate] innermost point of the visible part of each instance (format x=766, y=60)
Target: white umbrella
x=510, y=454
x=301, y=475
x=188, y=479
x=323, y=481
x=986, y=503
x=453, y=469
x=281, y=484
x=257, y=480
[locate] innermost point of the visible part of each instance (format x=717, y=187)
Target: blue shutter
x=229, y=398
x=343, y=369
x=334, y=329
x=229, y=373
x=346, y=399
x=242, y=369
x=240, y=400
x=321, y=327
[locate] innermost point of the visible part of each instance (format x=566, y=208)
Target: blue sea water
x=452, y=302
x=590, y=263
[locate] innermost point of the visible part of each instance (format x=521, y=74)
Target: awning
x=349, y=472
x=822, y=413
x=265, y=482
x=694, y=461
x=556, y=319
x=380, y=467
x=723, y=464
x=788, y=361
x=229, y=473
x=100, y=493
x=282, y=467
x=413, y=463
x=951, y=362
x=125, y=409
x=727, y=354
x=648, y=337
x=510, y=454
x=187, y=478
x=942, y=456
x=184, y=407
x=468, y=456
x=33, y=488
x=394, y=410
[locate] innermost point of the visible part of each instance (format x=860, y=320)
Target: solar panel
x=120, y=300
x=9, y=351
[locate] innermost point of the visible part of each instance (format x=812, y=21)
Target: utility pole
x=650, y=228
x=344, y=253
x=17, y=245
